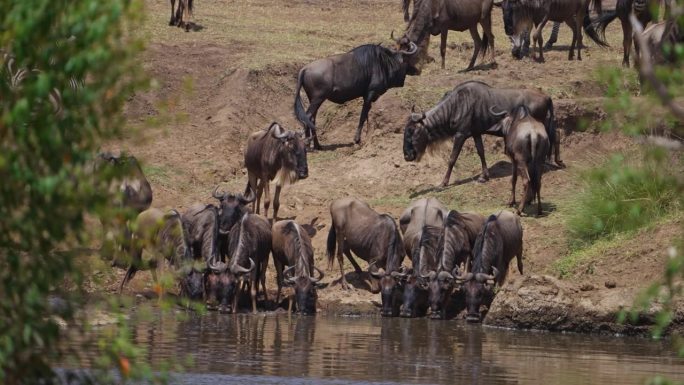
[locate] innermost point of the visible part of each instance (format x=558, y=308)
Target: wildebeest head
x=390, y=291
x=231, y=208
x=406, y=53
x=440, y=287
x=221, y=285
x=415, y=296
x=292, y=150
x=477, y=287
x=415, y=137
x=191, y=281
x=517, y=22
x=305, y=290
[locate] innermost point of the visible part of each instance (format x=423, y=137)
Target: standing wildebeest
x=526, y=144
x=250, y=244
x=366, y=71
x=464, y=113
x=421, y=224
x=231, y=208
x=274, y=153
x=642, y=10
x=201, y=225
x=433, y=17
x=161, y=233
x=453, y=249
x=525, y=13
x=371, y=236
x=292, y=248
x=500, y=240
x=181, y=16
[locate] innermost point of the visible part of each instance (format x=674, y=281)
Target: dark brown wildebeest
x=371, y=236
x=292, y=248
x=523, y=14
x=464, y=112
x=181, y=16
x=367, y=71
x=250, y=244
x=526, y=144
x=437, y=17
x=231, y=208
x=161, y=233
x=500, y=240
x=201, y=226
x=642, y=9
x=421, y=224
x=274, y=153
x=454, y=248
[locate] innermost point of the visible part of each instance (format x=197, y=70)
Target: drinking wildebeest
x=437, y=17
x=292, y=248
x=274, y=153
x=160, y=233
x=371, y=236
x=525, y=143
x=200, y=222
x=464, y=113
x=250, y=244
x=231, y=208
x=642, y=10
x=500, y=240
x=525, y=13
x=181, y=16
x=421, y=224
x=453, y=249
x=366, y=71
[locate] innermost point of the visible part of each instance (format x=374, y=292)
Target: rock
x=587, y=287
x=610, y=284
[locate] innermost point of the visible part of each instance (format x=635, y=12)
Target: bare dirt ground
x=236, y=72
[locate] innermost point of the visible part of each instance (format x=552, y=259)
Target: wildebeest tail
x=534, y=168
x=591, y=30
x=485, y=44
x=332, y=245
x=300, y=114
x=600, y=24
x=395, y=250
x=551, y=131
x=405, y=8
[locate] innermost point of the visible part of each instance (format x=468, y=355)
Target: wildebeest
x=160, y=233
x=525, y=13
x=250, y=245
x=464, y=112
x=526, y=144
x=433, y=17
x=371, y=236
x=274, y=153
x=367, y=71
x=421, y=224
x=201, y=226
x=231, y=208
x=292, y=248
x=181, y=16
x=500, y=240
x=454, y=247
x=656, y=36
x=642, y=10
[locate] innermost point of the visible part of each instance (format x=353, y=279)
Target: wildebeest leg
x=253, y=283
x=357, y=268
x=480, y=152
x=279, y=277
x=253, y=183
x=526, y=188
x=537, y=38
x=172, y=21
x=514, y=181
x=487, y=31
x=262, y=277
x=459, y=139
x=367, y=101
x=477, y=43
x=312, y=111
x=276, y=202
x=442, y=45
x=626, y=41
x=539, y=205
x=267, y=195
x=340, y=260
x=578, y=27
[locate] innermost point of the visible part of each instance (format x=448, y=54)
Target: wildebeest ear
x=415, y=117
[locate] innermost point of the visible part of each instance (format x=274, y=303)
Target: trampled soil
x=236, y=72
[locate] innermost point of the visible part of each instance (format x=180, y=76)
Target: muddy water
x=276, y=349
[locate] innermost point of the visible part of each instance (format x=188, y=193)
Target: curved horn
x=288, y=270
x=218, y=267
x=417, y=117
x=445, y=275
x=398, y=275
x=216, y=195
x=482, y=277
x=464, y=277
x=392, y=36
x=237, y=269
x=378, y=274
x=500, y=113
x=249, y=198
x=320, y=275
x=431, y=275
x=413, y=48
x=278, y=131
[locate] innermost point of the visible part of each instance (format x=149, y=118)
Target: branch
x=647, y=71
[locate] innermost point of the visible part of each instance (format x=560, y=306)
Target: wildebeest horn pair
x=237, y=269
x=278, y=131
x=218, y=266
x=413, y=48
x=495, y=113
x=487, y=278
x=291, y=280
x=431, y=275
x=244, y=200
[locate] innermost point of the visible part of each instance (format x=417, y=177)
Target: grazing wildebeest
x=371, y=236
x=160, y=233
x=367, y=71
x=181, y=16
x=526, y=144
x=464, y=112
x=292, y=248
x=525, y=13
x=642, y=10
x=453, y=249
x=231, y=208
x=500, y=240
x=421, y=224
x=250, y=244
x=437, y=17
x=274, y=153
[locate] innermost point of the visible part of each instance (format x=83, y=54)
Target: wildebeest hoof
x=560, y=164
x=512, y=203
x=482, y=179
x=473, y=318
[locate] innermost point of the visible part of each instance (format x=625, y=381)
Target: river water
x=277, y=349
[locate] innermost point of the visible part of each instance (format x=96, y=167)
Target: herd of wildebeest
x=452, y=253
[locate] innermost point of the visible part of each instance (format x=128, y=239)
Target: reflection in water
x=282, y=349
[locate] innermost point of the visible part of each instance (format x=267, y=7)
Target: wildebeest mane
x=369, y=56
x=213, y=246
x=479, y=264
x=428, y=243
x=294, y=246
x=173, y=234
x=452, y=114
x=453, y=218
x=395, y=250
x=238, y=239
